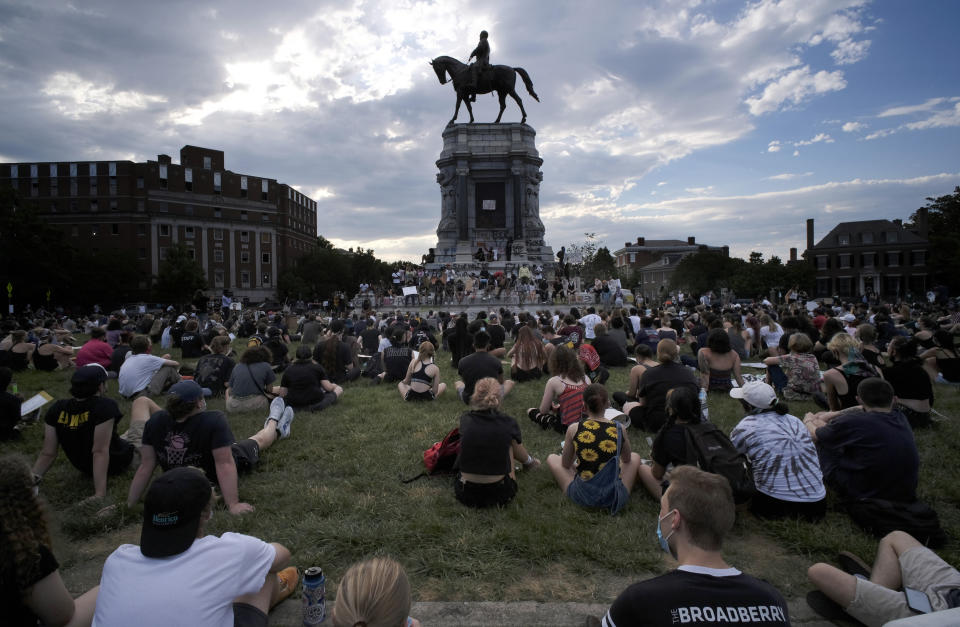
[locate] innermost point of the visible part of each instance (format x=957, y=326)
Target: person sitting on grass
x=669, y=448
x=395, y=358
x=186, y=434
x=249, y=388
x=86, y=427
x=305, y=386
x=875, y=596
x=479, y=365
x=192, y=345
x=649, y=412
x=120, y=352
x=796, y=375
x=597, y=467
x=840, y=382
x=375, y=592
x=645, y=361
x=527, y=356
x=143, y=373
x=489, y=442
x=9, y=407
x=422, y=382
x=180, y=575
x=18, y=356
x=336, y=357
x=33, y=590
x=213, y=371
x=592, y=366
x=562, y=402
x=718, y=363
x=786, y=470
x=696, y=513
x=49, y=356
x=612, y=353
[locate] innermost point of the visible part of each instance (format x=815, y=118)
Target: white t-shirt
x=772, y=338
x=589, y=321
x=196, y=587
x=783, y=456
x=136, y=372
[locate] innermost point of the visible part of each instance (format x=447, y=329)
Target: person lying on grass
x=489, y=442
x=597, y=468
x=85, y=426
x=186, y=434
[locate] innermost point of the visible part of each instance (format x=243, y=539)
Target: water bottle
x=704, y=409
x=314, y=591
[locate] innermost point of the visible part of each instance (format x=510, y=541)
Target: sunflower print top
x=596, y=444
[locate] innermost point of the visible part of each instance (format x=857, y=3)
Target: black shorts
x=246, y=454
x=419, y=396
x=497, y=494
x=246, y=615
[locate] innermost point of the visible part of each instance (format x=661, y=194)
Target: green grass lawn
x=332, y=494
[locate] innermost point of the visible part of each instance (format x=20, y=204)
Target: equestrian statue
x=482, y=78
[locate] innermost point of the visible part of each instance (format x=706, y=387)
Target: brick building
x=879, y=257
x=653, y=261
x=242, y=229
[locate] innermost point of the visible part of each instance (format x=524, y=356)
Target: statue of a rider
x=482, y=53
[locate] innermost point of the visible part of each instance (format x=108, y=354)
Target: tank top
x=47, y=363
x=420, y=374
x=596, y=444
x=571, y=402
x=853, y=380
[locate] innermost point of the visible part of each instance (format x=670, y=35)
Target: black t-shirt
x=870, y=454
x=75, y=421
x=476, y=366
x=670, y=446
x=9, y=414
x=302, y=381
x=191, y=344
x=610, y=351
x=371, y=340
x=188, y=443
x=118, y=357
x=485, y=439
x=682, y=597
x=654, y=385
x=396, y=360
x=909, y=380
x=16, y=612
x=213, y=371
x=498, y=335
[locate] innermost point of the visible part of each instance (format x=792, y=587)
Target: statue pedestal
x=489, y=176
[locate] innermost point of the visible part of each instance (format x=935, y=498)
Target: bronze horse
x=499, y=78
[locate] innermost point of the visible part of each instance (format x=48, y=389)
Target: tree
x=703, y=271
x=179, y=277
x=943, y=221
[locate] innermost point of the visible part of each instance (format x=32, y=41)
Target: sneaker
x=283, y=426
x=852, y=564
x=276, y=409
x=287, y=580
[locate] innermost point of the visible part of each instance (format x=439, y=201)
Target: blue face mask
x=660, y=538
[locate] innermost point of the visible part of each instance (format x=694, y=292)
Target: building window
x=54, y=188
x=188, y=210
x=162, y=253
x=115, y=229
x=73, y=187
x=141, y=253
x=243, y=187
x=265, y=237
x=245, y=279
x=218, y=255
x=164, y=230
x=866, y=238
x=163, y=207
x=823, y=287
x=53, y=170
x=113, y=186
x=919, y=257
x=139, y=182
x=188, y=232
x=868, y=260
x=821, y=262
x=114, y=206
x=14, y=171
x=92, y=169
x=218, y=234
x=264, y=257
x=216, y=183
x=244, y=236
x=35, y=187
x=264, y=189
x=845, y=286
x=265, y=217
x=73, y=206
x=73, y=169
x=844, y=260
x=188, y=179
x=94, y=205
x=112, y=168
x=163, y=176
x=217, y=213
x=843, y=240
x=218, y=278
x=243, y=215
x=244, y=256
x=192, y=253
x=266, y=279
x=893, y=260
x=94, y=229
x=206, y=163
x=141, y=230
x=892, y=236
x=93, y=186
x=141, y=206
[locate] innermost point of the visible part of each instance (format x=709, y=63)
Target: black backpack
x=711, y=450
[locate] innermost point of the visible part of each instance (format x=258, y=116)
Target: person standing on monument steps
x=482, y=53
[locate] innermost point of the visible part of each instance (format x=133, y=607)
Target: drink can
x=314, y=593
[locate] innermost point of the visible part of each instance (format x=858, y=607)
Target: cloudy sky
x=726, y=120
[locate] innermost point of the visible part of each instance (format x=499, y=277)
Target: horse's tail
x=526, y=81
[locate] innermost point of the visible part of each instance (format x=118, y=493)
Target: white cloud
x=849, y=51
x=796, y=153
x=76, y=98
x=661, y=183
x=853, y=127
x=908, y=109
x=818, y=138
x=700, y=191
x=884, y=132
x=940, y=119
x=774, y=146
x=787, y=176
x=794, y=87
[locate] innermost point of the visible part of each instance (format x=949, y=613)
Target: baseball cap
x=172, y=510
x=91, y=373
x=189, y=390
x=848, y=317
x=757, y=393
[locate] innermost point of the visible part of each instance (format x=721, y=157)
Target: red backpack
x=441, y=458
